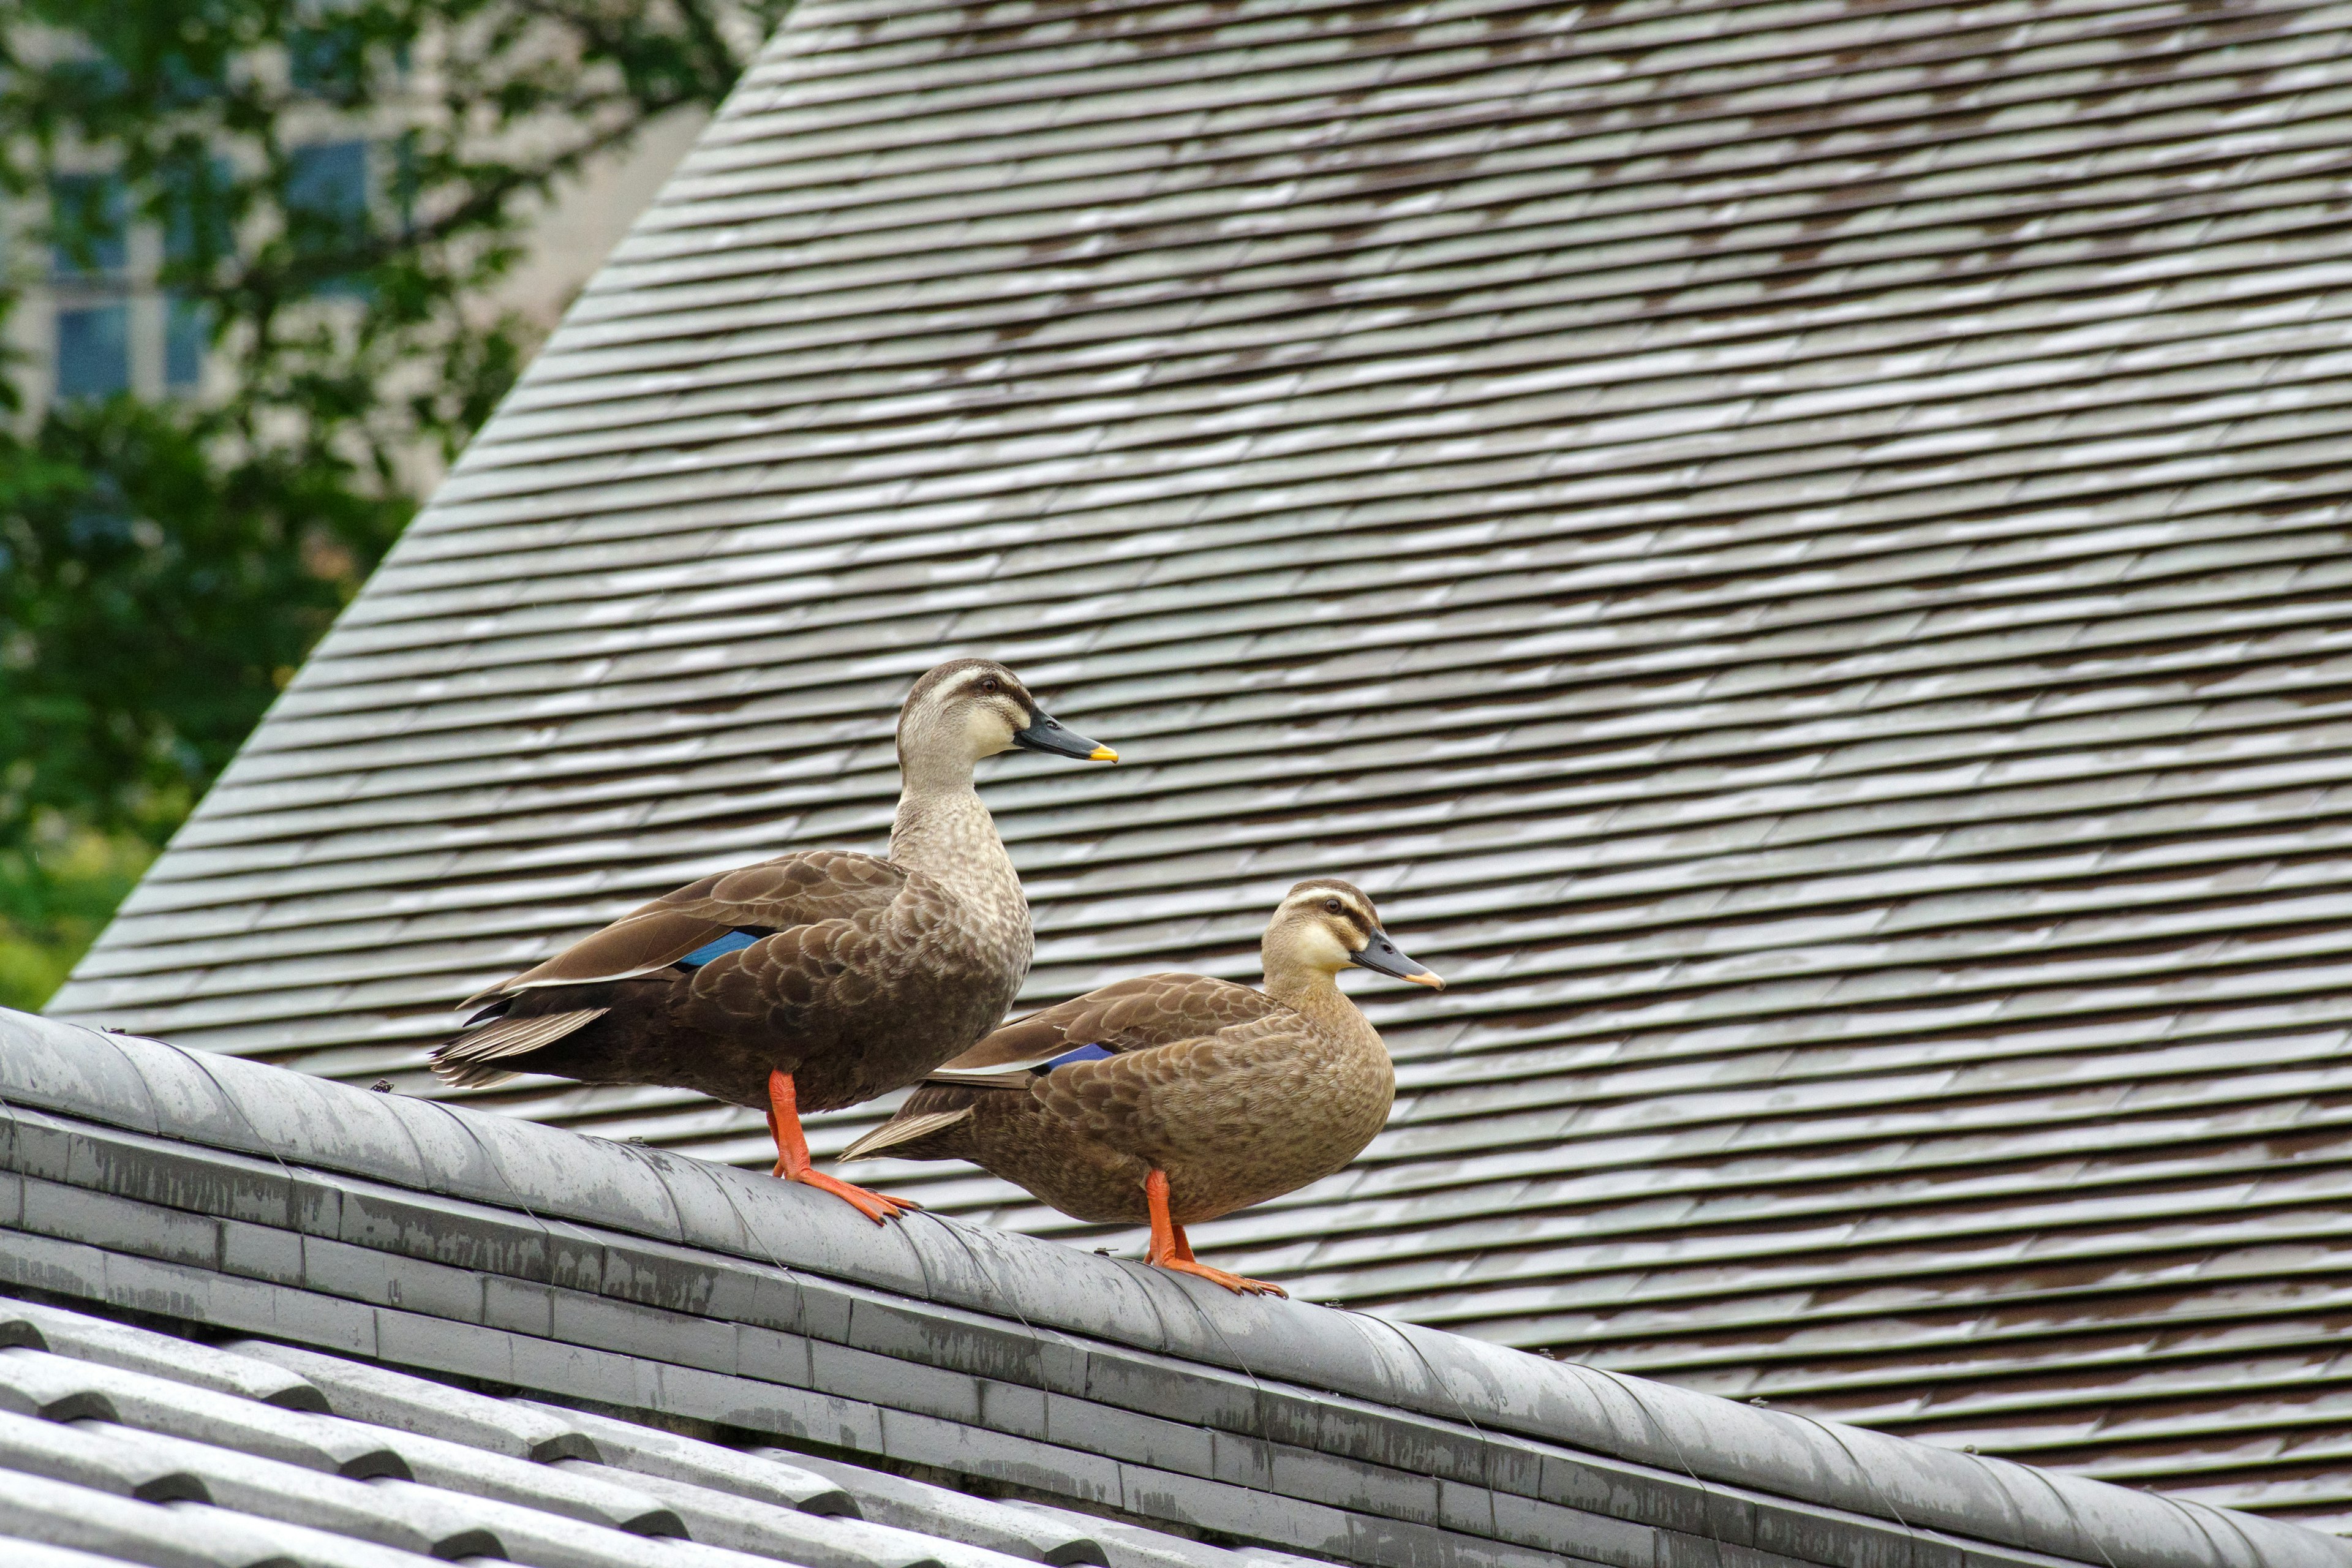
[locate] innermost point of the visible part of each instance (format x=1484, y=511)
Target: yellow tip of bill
x=1426, y=978
x=1102, y=754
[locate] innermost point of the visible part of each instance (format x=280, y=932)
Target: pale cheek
x=1325, y=950
x=987, y=734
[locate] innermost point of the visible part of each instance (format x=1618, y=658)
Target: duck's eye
x=1331, y=904
x=992, y=684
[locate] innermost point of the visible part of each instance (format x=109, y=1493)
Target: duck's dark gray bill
x=1382, y=956
x=1047, y=734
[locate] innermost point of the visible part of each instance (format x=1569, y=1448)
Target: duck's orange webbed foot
x=875, y=1206
x=1240, y=1284
x=793, y=1158
x=1171, y=1251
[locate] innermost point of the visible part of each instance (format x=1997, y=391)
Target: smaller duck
x=1174, y=1099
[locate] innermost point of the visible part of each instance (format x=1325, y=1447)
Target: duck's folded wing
x=1104, y=1060
x=774, y=895
x=1166, y=1095
x=1130, y=1015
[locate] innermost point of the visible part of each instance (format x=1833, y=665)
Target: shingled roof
x=1799, y=549
x=418, y=1303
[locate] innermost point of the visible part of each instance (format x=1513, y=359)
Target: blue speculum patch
x=1083, y=1054
x=733, y=941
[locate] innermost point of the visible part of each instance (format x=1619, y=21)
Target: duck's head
x=968, y=708
x=1326, y=925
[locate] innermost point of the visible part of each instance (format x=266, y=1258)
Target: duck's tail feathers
x=470, y=1060
x=903, y=1130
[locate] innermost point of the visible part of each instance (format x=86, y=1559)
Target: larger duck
x=815, y=980
x=1173, y=1099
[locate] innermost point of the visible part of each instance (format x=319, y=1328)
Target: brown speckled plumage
x=1237, y=1095
x=866, y=973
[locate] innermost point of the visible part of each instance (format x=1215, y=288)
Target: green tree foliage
x=337, y=185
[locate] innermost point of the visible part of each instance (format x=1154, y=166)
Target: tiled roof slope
x=1798, y=548
x=110, y=1432
x=319, y=1228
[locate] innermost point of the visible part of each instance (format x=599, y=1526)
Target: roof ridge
x=316, y=1188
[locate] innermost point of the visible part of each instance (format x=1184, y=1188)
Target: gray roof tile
x=741, y=1524
x=607, y=1500
x=473, y=1497
x=83, y=1456
x=85, y=1338
x=173, y=1535
x=384, y=1398
x=58, y=1388
x=769, y=1478
x=917, y=1505
x=406, y=1518
x=40, y=1554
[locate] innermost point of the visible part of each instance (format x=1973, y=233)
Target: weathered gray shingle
x=1798, y=548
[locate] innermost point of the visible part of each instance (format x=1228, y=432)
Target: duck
x=1171, y=1100
x=814, y=980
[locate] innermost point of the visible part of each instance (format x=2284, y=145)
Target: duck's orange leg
x=1171, y=1251
x=793, y=1157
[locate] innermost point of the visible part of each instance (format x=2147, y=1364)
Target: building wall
x=91, y=330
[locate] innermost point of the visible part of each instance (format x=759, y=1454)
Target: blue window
x=405, y=179
x=329, y=183
x=88, y=218
x=186, y=334
x=327, y=202
x=94, y=352
x=91, y=78
x=326, y=62
x=182, y=84
x=195, y=226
